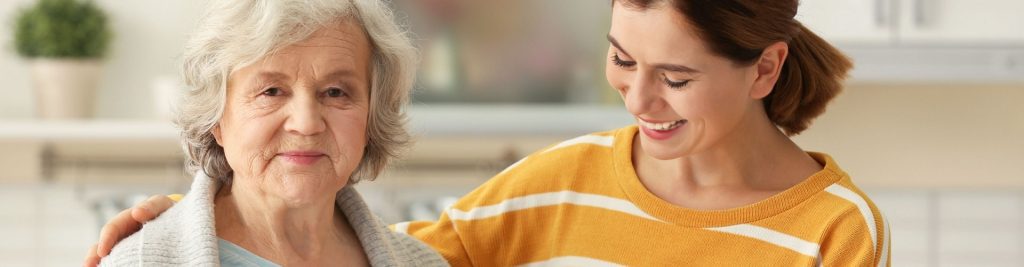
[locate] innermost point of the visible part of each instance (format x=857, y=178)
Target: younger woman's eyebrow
x=615, y=43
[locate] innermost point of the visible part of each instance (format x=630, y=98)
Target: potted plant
x=64, y=41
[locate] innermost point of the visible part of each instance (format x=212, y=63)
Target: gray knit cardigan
x=185, y=236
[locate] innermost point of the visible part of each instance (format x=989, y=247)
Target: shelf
x=87, y=130
x=425, y=120
x=936, y=64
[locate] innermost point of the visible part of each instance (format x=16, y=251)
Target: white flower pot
x=65, y=88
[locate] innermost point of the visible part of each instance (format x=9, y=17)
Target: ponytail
x=812, y=75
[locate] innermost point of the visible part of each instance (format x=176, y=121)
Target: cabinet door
x=962, y=22
x=847, y=22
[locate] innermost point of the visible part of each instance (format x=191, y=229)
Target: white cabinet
x=978, y=41
x=916, y=22
x=848, y=21
x=961, y=22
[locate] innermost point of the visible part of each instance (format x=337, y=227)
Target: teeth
x=664, y=126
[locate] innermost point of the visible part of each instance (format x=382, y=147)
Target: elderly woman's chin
x=301, y=186
x=301, y=182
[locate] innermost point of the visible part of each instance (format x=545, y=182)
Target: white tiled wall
x=44, y=226
x=907, y=213
x=954, y=227
x=980, y=229
x=54, y=223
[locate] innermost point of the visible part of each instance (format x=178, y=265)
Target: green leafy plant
x=62, y=29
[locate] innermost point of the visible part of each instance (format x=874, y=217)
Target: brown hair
x=741, y=29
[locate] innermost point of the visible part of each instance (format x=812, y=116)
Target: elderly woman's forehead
x=345, y=30
x=335, y=41
x=341, y=39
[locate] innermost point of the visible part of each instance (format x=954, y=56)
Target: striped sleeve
x=860, y=237
x=440, y=236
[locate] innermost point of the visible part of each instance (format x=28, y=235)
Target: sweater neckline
x=688, y=217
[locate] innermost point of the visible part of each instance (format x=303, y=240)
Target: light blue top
x=233, y=255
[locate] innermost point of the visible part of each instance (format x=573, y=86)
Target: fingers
x=151, y=208
x=116, y=229
x=129, y=221
x=91, y=258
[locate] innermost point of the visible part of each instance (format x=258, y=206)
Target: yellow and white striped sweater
x=580, y=203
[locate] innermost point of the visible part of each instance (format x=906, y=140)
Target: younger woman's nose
x=642, y=96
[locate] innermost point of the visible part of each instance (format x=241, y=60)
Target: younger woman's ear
x=768, y=68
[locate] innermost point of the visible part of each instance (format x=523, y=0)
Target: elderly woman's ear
x=216, y=134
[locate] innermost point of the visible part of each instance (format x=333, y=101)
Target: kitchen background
x=930, y=123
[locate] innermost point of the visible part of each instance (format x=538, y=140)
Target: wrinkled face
x=294, y=125
x=685, y=98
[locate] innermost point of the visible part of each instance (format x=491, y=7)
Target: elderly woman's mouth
x=302, y=157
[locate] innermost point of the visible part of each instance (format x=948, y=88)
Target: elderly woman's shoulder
x=184, y=235
x=383, y=246
x=125, y=253
x=414, y=252
x=167, y=240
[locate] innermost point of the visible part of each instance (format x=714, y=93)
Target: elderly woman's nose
x=305, y=116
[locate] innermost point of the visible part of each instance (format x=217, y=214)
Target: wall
x=149, y=35
x=917, y=134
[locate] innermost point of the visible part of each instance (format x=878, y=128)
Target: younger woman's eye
x=622, y=63
x=676, y=84
x=272, y=91
x=334, y=92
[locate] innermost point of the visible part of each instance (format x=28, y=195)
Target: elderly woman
x=291, y=103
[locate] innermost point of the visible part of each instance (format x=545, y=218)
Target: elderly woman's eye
x=273, y=91
x=334, y=92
